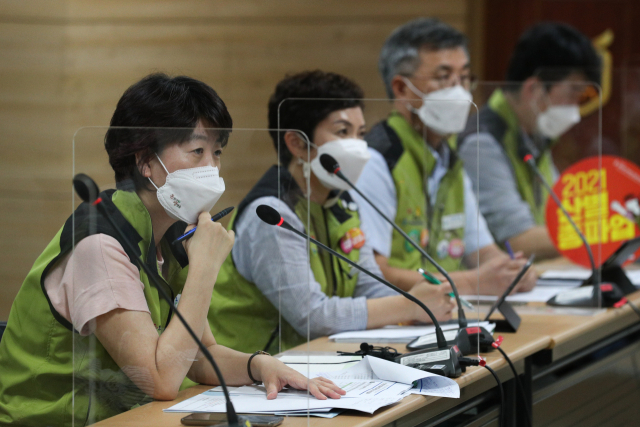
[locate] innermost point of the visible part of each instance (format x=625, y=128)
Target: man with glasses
x=552, y=68
x=415, y=177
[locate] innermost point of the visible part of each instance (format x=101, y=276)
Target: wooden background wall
x=65, y=63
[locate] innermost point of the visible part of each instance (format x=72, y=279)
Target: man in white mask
x=552, y=67
x=416, y=178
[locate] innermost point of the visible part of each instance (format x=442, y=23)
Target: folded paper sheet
x=370, y=384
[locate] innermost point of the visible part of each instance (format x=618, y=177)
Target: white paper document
x=391, y=334
x=370, y=384
x=248, y=404
x=373, y=368
x=537, y=294
x=354, y=388
x=634, y=276
x=435, y=386
x=575, y=276
x=577, y=273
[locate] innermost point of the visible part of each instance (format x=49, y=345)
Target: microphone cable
x=501, y=409
x=469, y=361
x=520, y=388
x=386, y=353
x=518, y=385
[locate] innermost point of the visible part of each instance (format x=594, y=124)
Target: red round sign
x=603, y=199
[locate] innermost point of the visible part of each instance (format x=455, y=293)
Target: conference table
x=575, y=369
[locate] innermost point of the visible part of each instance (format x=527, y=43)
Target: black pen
x=216, y=217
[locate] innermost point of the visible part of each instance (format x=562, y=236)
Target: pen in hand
x=434, y=280
x=509, y=249
x=216, y=217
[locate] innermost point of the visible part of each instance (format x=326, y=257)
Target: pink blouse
x=96, y=278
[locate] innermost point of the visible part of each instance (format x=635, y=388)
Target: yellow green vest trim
x=438, y=227
x=240, y=316
x=45, y=363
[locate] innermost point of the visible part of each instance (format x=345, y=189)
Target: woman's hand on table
x=276, y=375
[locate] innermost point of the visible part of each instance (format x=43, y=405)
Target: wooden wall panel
x=257, y=10
x=65, y=63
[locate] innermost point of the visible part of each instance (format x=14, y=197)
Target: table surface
x=562, y=334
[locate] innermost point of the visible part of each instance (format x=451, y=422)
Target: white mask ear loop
x=415, y=91
x=163, y=167
x=412, y=87
x=306, y=166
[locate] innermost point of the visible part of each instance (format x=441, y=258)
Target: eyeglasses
x=442, y=81
x=588, y=94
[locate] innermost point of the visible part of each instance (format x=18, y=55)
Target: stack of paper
x=537, y=294
x=550, y=284
x=394, y=334
x=577, y=275
x=370, y=384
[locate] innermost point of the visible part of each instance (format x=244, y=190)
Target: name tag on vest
x=453, y=221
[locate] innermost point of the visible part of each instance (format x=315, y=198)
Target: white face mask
x=189, y=192
x=445, y=111
x=350, y=153
x=557, y=119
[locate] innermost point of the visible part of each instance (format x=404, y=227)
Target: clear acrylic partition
x=243, y=315
x=585, y=195
x=375, y=111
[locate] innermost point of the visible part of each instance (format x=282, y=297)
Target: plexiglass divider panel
x=559, y=124
x=121, y=321
x=401, y=162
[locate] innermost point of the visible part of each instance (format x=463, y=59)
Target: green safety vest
x=52, y=376
x=438, y=228
x=498, y=119
x=240, y=316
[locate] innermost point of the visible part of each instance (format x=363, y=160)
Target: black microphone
x=567, y=298
x=532, y=164
x=332, y=166
x=88, y=191
x=423, y=360
x=466, y=339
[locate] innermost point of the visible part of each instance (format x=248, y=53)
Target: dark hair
x=400, y=54
x=552, y=51
x=333, y=91
x=160, y=101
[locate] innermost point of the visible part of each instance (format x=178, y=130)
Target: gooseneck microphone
x=532, y=164
x=444, y=360
x=332, y=166
x=528, y=159
x=273, y=217
x=88, y=191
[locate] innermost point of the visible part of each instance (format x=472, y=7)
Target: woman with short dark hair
x=269, y=287
x=88, y=336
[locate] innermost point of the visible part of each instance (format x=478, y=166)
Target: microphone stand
x=597, y=294
x=462, y=338
x=445, y=359
x=462, y=320
x=607, y=294
x=88, y=190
